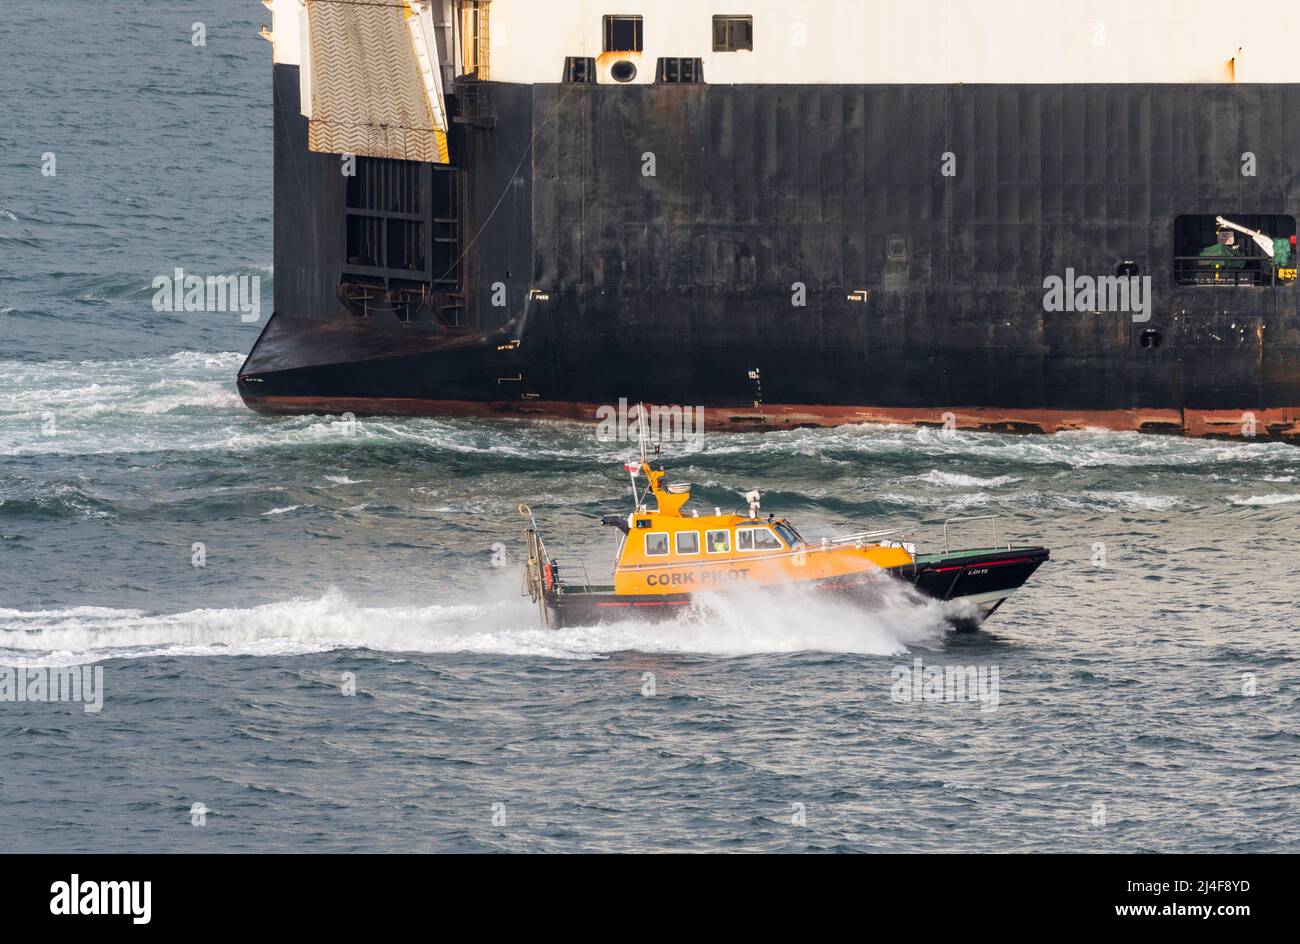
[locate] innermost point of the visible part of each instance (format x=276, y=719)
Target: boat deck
x=966, y=552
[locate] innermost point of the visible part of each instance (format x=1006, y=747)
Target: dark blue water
x=1122, y=719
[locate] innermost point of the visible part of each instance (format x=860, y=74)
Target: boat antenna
x=640, y=428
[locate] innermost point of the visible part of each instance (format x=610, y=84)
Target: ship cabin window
x=656, y=544
x=733, y=33
x=623, y=34
x=1234, y=249
x=717, y=542
x=757, y=539
x=688, y=542
x=580, y=70
x=671, y=71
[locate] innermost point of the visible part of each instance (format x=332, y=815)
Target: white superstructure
x=869, y=41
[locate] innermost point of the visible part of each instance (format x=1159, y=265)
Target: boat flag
x=631, y=467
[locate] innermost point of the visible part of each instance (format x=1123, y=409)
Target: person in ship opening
x=717, y=543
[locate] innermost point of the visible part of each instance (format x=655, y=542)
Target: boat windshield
x=788, y=534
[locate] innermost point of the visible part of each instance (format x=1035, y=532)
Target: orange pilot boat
x=666, y=556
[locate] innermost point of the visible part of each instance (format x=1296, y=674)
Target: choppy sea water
x=1146, y=677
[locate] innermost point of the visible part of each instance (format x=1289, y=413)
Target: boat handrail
x=993, y=518
x=863, y=537
x=528, y=513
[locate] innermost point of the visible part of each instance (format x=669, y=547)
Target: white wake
x=722, y=625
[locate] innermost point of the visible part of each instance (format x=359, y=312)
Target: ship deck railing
x=993, y=521
x=863, y=537
x=1228, y=271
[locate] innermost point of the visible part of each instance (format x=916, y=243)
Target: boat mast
x=633, y=468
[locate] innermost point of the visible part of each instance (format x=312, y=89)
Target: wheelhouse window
x=733, y=33
x=688, y=542
x=788, y=534
x=656, y=544
x=757, y=539
x=717, y=542
x=1232, y=249
x=623, y=33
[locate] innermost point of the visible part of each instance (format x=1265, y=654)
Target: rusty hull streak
x=1281, y=423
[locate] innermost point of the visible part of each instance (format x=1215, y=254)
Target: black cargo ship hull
x=799, y=256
